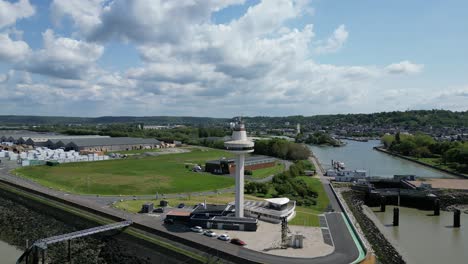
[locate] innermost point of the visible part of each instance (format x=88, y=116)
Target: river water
x=361, y=155
x=8, y=253
x=422, y=239
x=425, y=239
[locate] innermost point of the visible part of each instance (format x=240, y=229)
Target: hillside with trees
x=409, y=119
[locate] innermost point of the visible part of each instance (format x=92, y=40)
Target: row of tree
x=282, y=149
x=287, y=184
x=321, y=138
x=452, y=153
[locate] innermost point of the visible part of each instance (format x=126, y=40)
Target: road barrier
x=349, y=223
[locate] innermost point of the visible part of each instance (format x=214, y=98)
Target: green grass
x=309, y=215
x=265, y=172
x=136, y=151
x=162, y=174
x=436, y=162
x=134, y=206
x=305, y=217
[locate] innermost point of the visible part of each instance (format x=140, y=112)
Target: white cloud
x=11, y=50
x=335, y=42
x=10, y=12
x=404, y=67
x=256, y=62
x=84, y=13
x=64, y=57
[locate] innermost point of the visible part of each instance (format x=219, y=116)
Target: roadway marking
x=327, y=236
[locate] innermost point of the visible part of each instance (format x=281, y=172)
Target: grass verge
x=134, y=206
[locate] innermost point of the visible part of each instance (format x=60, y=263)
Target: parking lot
x=267, y=239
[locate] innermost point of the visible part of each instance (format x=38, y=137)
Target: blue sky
x=222, y=58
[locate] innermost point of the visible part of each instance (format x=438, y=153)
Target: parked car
x=197, y=229
x=224, y=237
x=169, y=221
x=181, y=205
x=209, y=233
x=238, y=242
x=158, y=210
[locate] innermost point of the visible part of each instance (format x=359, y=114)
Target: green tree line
x=451, y=153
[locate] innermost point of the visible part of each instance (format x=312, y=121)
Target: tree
x=397, y=137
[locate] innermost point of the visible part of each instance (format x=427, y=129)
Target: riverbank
x=385, y=251
x=421, y=163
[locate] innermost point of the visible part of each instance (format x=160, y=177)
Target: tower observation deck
x=239, y=145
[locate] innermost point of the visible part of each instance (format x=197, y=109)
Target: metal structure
x=40, y=246
x=239, y=145
x=284, y=232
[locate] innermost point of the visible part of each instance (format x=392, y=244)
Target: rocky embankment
x=384, y=250
x=22, y=219
x=451, y=200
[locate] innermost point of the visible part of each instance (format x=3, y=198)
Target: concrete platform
x=455, y=184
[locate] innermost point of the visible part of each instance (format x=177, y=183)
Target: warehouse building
x=228, y=166
x=111, y=144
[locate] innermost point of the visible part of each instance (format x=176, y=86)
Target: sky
x=224, y=58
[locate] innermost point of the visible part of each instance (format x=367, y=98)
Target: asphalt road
x=345, y=248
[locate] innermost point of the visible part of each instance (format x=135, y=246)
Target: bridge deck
x=43, y=243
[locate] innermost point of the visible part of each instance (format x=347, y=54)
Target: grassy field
x=436, y=162
x=136, y=151
x=133, y=176
x=309, y=215
x=134, y=206
x=265, y=172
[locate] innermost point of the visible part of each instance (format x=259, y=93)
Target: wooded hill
x=413, y=118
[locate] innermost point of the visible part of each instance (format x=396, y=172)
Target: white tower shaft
x=240, y=158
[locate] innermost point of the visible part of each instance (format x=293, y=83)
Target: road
x=345, y=248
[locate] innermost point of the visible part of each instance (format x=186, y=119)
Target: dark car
x=238, y=242
x=158, y=210
x=182, y=205
x=169, y=221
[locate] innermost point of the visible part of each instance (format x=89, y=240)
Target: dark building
x=221, y=217
x=214, y=216
x=147, y=208
x=228, y=166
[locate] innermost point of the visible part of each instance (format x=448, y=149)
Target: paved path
x=345, y=248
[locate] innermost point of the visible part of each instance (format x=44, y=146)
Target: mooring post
x=437, y=207
x=69, y=251
x=456, y=218
x=382, y=203
x=396, y=216
x=27, y=256
x=35, y=252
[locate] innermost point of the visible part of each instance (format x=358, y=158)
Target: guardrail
x=350, y=223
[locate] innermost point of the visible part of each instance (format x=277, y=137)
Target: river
x=422, y=239
x=361, y=155
x=8, y=253
x=425, y=239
